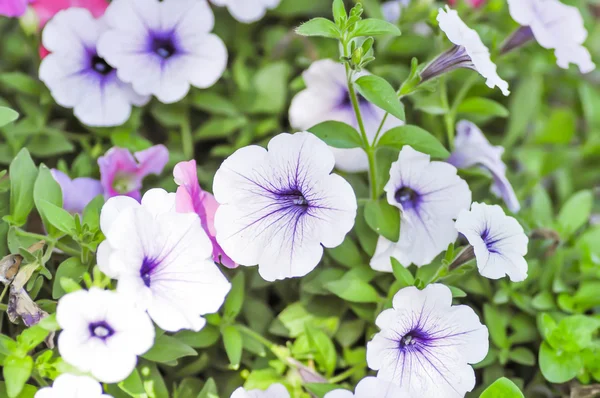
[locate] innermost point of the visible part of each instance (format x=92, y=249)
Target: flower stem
x=187, y=140
x=368, y=146
x=448, y=116
x=342, y=376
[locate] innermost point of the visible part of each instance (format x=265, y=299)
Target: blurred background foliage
x=544, y=331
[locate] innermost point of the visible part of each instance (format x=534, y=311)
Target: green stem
x=187, y=140
x=368, y=146
x=4, y=292
x=342, y=376
x=448, y=116
x=380, y=128
x=258, y=337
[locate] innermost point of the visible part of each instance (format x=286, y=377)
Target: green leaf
x=209, y=390
x=47, y=189
x=383, y=218
x=402, y=274
x=70, y=268
x=91, y=213
x=235, y=298
x=28, y=391
x=575, y=213
x=353, y=290
x=558, y=367
x=574, y=333
x=497, y=321
x=559, y=128
x=524, y=105
x=22, y=83
x=337, y=134
x=232, y=339
x=522, y=356
x=167, y=349
x=16, y=372
x=56, y=216
x=320, y=389
x=206, y=337
x=7, y=345
x=133, y=385
x=324, y=350
x=22, y=173
x=153, y=382
x=375, y=27
x=502, y=388
x=419, y=139
x=319, y=27
x=339, y=12
x=380, y=93
x=482, y=107
x=7, y=116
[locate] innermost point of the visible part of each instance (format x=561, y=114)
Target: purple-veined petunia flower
x=76, y=193
x=162, y=48
x=426, y=344
x=555, y=26
x=498, y=240
x=247, y=11
x=471, y=148
x=369, y=387
x=122, y=173
x=190, y=198
x=102, y=333
x=326, y=98
x=72, y=386
x=274, y=391
x=429, y=195
x=468, y=52
x=78, y=77
x=162, y=260
x=279, y=208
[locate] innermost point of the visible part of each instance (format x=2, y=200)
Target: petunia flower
x=78, y=77
x=426, y=344
x=468, y=52
x=78, y=192
x=369, y=387
x=555, y=26
x=247, y=11
x=471, y=148
x=429, y=195
x=498, y=240
x=326, y=98
x=392, y=10
x=46, y=9
x=21, y=306
x=71, y=386
x=274, y=391
x=102, y=333
x=13, y=8
x=162, y=48
x=122, y=173
x=279, y=208
x=190, y=198
x=162, y=260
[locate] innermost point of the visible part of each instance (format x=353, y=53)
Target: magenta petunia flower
x=190, y=198
x=122, y=173
x=77, y=193
x=13, y=8
x=46, y=9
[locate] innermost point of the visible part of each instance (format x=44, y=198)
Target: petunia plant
x=299, y=199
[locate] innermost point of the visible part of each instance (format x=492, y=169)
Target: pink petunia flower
x=122, y=173
x=190, y=198
x=13, y=8
x=46, y=9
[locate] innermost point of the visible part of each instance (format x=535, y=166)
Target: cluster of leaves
x=310, y=334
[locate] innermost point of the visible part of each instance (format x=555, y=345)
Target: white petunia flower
x=162, y=260
x=103, y=333
x=279, y=208
x=247, y=11
x=555, y=26
x=274, y=391
x=326, y=98
x=392, y=10
x=426, y=344
x=71, y=386
x=162, y=48
x=429, y=195
x=78, y=77
x=471, y=148
x=468, y=52
x=498, y=240
x=369, y=387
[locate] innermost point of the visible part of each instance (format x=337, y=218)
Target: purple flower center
x=101, y=330
x=413, y=340
x=489, y=240
x=294, y=198
x=148, y=266
x=163, y=47
x=100, y=66
x=407, y=197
